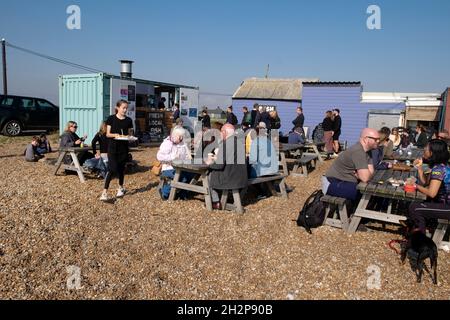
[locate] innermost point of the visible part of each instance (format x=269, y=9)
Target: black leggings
x=116, y=167
x=420, y=212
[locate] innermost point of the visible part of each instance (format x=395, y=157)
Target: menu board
x=156, y=125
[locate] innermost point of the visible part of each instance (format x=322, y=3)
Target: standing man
x=354, y=165
x=231, y=117
x=246, y=119
x=254, y=115
x=337, y=124
x=206, y=120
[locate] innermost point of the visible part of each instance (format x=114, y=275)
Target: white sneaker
x=120, y=192
x=104, y=196
x=334, y=155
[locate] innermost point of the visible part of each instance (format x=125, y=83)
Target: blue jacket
x=263, y=158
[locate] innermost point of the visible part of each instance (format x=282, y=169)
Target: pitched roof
x=271, y=89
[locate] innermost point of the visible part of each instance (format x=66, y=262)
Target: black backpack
x=313, y=213
x=318, y=134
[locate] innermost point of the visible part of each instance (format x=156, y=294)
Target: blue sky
x=217, y=44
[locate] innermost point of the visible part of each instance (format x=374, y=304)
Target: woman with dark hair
x=327, y=126
x=436, y=186
x=118, y=126
x=421, y=137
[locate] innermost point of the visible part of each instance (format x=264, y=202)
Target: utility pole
x=5, y=83
x=267, y=72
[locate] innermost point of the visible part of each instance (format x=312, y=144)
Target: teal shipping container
x=85, y=99
x=88, y=99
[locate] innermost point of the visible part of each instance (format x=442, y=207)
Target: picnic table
x=380, y=187
x=75, y=164
x=286, y=151
x=312, y=148
x=200, y=170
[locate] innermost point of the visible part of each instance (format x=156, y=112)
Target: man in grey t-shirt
x=353, y=165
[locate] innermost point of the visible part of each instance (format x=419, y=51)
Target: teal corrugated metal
x=84, y=99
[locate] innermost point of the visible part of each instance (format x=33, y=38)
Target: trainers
x=104, y=196
x=120, y=192
x=334, y=155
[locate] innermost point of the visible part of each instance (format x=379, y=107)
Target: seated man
x=352, y=166
x=228, y=170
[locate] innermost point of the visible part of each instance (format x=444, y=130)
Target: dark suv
x=19, y=114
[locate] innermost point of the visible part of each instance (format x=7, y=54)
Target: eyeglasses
x=75, y=127
x=375, y=139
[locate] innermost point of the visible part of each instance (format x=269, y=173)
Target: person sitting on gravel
x=352, y=166
x=44, y=144
x=31, y=152
x=173, y=149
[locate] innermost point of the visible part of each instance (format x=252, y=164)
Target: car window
x=45, y=105
x=26, y=103
x=6, y=101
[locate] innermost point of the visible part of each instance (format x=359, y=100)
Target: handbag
x=156, y=168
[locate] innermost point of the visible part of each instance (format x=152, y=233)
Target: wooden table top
x=75, y=149
x=285, y=147
x=191, y=166
x=379, y=186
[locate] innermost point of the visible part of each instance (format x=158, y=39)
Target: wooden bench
x=336, y=206
x=239, y=195
x=305, y=162
x=439, y=233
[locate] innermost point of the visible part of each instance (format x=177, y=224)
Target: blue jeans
x=185, y=177
x=342, y=189
x=97, y=164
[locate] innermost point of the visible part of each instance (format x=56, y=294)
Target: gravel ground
x=138, y=247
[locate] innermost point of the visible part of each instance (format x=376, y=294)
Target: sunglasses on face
x=373, y=138
x=75, y=127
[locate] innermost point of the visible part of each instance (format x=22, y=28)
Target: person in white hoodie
x=172, y=149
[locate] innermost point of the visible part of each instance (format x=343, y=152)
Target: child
x=44, y=145
x=31, y=152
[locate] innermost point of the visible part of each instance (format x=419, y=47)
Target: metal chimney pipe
x=126, y=69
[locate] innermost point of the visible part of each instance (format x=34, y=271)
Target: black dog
x=418, y=247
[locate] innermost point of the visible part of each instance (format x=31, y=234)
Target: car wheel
x=12, y=128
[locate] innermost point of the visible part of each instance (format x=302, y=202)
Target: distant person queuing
x=275, y=121
x=206, y=120
x=299, y=121
x=246, y=119
x=337, y=125
x=327, y=126
x=117, y=126
x=254, y=115
x=31, y=152
x=231, y=117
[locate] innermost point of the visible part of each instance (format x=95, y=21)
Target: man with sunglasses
x=351, y=167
